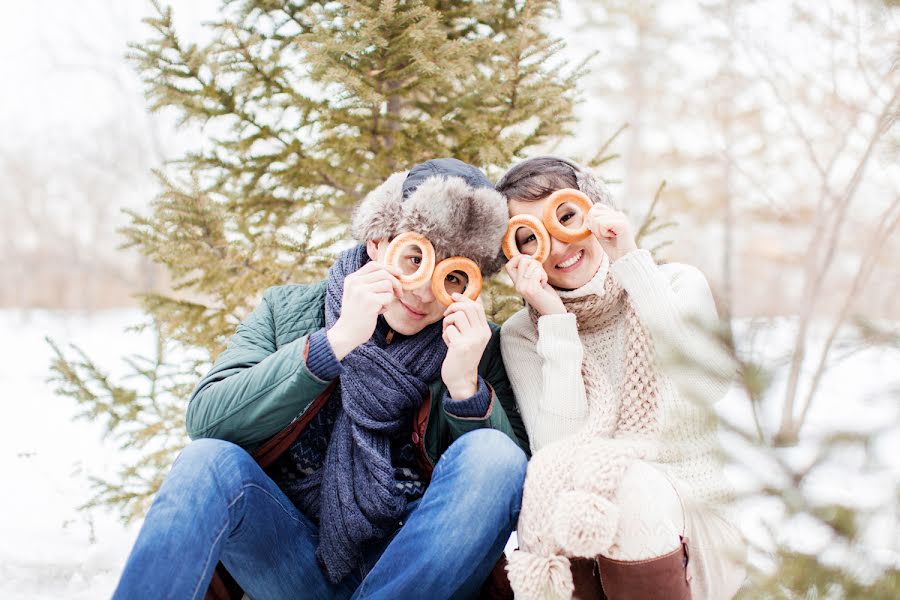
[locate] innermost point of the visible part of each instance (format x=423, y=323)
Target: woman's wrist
x=623, y=253
x=553, y=307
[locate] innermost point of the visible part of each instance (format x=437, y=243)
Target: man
x=388, y=455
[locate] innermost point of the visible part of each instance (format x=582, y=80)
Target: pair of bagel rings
x=427, y=269
x=548, y=225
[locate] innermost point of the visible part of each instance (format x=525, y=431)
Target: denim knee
x=205, y=452
x=211, y=465
x=492, y=461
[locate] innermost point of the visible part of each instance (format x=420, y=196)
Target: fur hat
x=451, y=203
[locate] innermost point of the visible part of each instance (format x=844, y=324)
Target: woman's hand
x=466, y=333
x=530, y=279
x=367, y=294
x=613, y=230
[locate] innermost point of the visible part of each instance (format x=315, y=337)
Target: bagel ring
x=557, y=229
x=423, y=273
x=532, y=223
x=447, y=266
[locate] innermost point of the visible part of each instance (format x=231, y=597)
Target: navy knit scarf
x=380, y=387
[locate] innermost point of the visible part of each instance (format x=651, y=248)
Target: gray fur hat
x=451, y=203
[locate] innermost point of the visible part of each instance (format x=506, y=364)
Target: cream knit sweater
x=675, y=304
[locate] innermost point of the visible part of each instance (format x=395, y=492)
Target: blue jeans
x=218, y=505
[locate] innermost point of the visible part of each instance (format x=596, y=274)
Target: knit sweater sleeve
x=544, y=368
x=676, y=305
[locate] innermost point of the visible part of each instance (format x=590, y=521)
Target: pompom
x=536, y=577
x=584, y=524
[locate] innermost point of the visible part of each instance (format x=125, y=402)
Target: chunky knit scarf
x=381, y=385
x=574, y=481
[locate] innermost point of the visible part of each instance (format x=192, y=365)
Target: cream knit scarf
x=568, y=507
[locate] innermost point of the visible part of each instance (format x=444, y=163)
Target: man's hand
x=466, y=333
x=613, y=230
x=367, y=294
x=530, y=279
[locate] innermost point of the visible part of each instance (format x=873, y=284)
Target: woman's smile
x=572, y=262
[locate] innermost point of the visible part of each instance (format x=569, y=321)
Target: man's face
x=415, y=309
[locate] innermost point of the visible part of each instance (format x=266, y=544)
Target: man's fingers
x=393, y=270
x=460, y=301
x=380, y=286
x=383, y=275
x=458, y=319
x=451, y=334
x=375, y=275
x=370, y=267
x=382, y=300
x=473, y=310
x=397, y=286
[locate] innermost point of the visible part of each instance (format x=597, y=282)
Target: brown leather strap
x=266, y=454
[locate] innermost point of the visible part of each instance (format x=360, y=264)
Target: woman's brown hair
x=537, y=178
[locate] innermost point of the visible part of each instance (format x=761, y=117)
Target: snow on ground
x=49, y=549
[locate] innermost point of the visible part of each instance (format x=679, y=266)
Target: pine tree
x=304, y=107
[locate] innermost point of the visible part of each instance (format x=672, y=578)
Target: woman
x=625, y=479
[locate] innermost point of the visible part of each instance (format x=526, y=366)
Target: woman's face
x=569, y=265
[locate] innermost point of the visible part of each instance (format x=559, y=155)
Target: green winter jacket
x=260, y=391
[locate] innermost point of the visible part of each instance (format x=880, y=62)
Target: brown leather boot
x=496, y=586
x=586, y=578
x=661, y=578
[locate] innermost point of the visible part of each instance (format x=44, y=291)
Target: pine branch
x=651, y=225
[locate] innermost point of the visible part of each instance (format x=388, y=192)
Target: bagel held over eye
x=447, y=266
x=557, y=229
x=395, y=251
x=532, y=223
